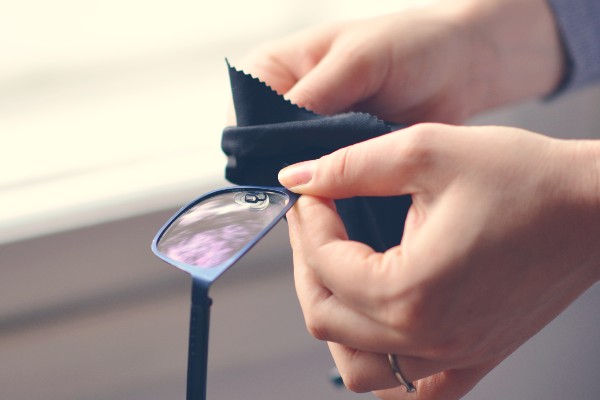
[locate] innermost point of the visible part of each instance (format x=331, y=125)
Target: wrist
x=515, y=50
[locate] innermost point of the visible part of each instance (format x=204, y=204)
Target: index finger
x=352, y=271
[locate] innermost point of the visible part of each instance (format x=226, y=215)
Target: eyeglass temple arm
x=198, y=341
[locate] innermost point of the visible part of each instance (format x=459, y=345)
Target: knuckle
x=311, y=97
x=354, y=382
x=317, y=326
x=418, y=142
x=404, y=318
x=336, y=171
x=355, y=50
x=407, y=317
x=341, y=165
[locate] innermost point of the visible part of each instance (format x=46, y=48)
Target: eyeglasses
x=205, y=238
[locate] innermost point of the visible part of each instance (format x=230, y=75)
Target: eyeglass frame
x=202, y=279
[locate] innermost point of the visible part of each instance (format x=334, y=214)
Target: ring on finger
x=396, y=369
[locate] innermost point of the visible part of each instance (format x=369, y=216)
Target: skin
x=497, y=243
x=429, y=62
x=502, y=234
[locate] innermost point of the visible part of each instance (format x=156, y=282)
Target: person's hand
x=501, y=237
x=435, y=61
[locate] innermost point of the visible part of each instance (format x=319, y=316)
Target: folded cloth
x=272, y=133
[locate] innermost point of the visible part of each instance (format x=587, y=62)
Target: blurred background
x=111, y=114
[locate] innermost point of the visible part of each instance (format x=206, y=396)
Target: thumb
x=389, y=165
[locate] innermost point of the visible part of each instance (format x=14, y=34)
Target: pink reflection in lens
x=213, y=231
x=210, y=248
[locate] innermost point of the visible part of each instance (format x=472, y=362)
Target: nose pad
x=255, y=197
x=252, y=200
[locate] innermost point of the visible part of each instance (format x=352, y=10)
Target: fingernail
x=297, y=174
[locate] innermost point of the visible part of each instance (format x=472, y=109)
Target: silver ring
x=394, y=364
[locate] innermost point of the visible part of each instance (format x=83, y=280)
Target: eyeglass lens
x=212, y=231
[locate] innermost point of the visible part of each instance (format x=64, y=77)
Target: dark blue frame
x=201, y=281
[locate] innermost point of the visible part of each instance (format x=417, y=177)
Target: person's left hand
x=501, y=237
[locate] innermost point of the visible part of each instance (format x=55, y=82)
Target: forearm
x=579, y=23
x=516, y=50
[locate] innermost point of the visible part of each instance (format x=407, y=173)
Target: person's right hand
x=501, y=237
x=434, y=61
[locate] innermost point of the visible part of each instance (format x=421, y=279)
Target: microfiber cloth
x=272, y=133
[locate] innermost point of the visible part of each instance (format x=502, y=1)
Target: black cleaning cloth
x=272, y=133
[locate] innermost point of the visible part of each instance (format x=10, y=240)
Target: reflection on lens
x=211, y=232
